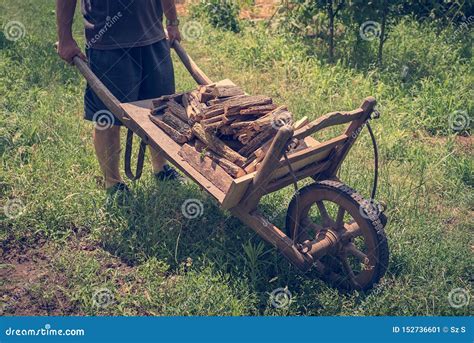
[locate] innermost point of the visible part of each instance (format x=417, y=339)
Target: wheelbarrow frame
x=245, y=193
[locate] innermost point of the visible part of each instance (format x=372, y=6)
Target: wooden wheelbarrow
x=329, y=226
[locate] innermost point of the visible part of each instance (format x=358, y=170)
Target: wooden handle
x=198, y=75
x=112, y=103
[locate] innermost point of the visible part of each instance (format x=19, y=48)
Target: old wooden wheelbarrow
x=330, y=228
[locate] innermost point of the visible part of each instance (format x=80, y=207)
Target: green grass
x=155, y=261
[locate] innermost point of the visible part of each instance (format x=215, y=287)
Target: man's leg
x=157, y=80
x=157, y=160
x=118, y=70
x=107, y=149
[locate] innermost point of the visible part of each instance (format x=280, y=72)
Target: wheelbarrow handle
x=112, y=103
x=198, y=75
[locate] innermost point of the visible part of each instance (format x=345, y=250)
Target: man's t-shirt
x=112, y=24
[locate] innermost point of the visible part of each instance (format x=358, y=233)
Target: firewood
x=175, y=135
x=217, y=145
x=234, y=108
x=211, y=120
x=165, y=98
x=178, y=110
x=231, y=168
x=177, y=124
x=271, y=118
x=221, y=100
x=258, y=110
x=227, y=91
x=207, y=167
x=212, y=112
x=159, y=110
x=257, y=141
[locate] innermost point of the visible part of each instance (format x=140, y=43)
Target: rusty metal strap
x=128, y=157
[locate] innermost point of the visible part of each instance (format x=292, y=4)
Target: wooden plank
x=237, y=191
x=300, y=123
x=207, y=167
x=303, y=158
x=309, y=170
x=330, y=119
x=138, y=113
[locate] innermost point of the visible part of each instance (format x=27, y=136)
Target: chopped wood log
x=178, y=110
x=231, y=168
x=175, y=135
x=241, y=125
x=212, y=112
x=221, y=100
x=159, y=110
x=217, y=145
x=274, y=117
x=177, y=124
x=207, y=167
x=227, y=91
x=211, y=120
x=165, y=98
x=257, y=141
x=258, y=110
x=234, y=108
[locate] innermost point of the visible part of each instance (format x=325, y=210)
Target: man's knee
x=112, y=132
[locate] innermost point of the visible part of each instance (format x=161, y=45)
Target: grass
x=152, y=260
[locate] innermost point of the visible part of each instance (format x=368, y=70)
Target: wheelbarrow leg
x=274, y=236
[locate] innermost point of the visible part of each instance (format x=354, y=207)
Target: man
x=127, y=49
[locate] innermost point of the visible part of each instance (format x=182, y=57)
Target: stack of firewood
x=222, y=123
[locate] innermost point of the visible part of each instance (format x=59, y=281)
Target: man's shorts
x=130, y=74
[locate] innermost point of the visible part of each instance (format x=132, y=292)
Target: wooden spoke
x=340, y=218
x=309, y=224
x=352, y=249
x=327, y=221
x=348, y=270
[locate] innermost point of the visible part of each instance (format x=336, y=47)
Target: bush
x=221, y=14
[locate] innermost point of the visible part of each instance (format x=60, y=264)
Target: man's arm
x=67, y=46
x=169, y=8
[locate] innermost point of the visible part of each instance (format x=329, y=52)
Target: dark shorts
x=130, y=74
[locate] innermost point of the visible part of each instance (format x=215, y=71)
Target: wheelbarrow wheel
x=360, y=258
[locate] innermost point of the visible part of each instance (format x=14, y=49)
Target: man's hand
x=173, y=33
x=68, y=49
